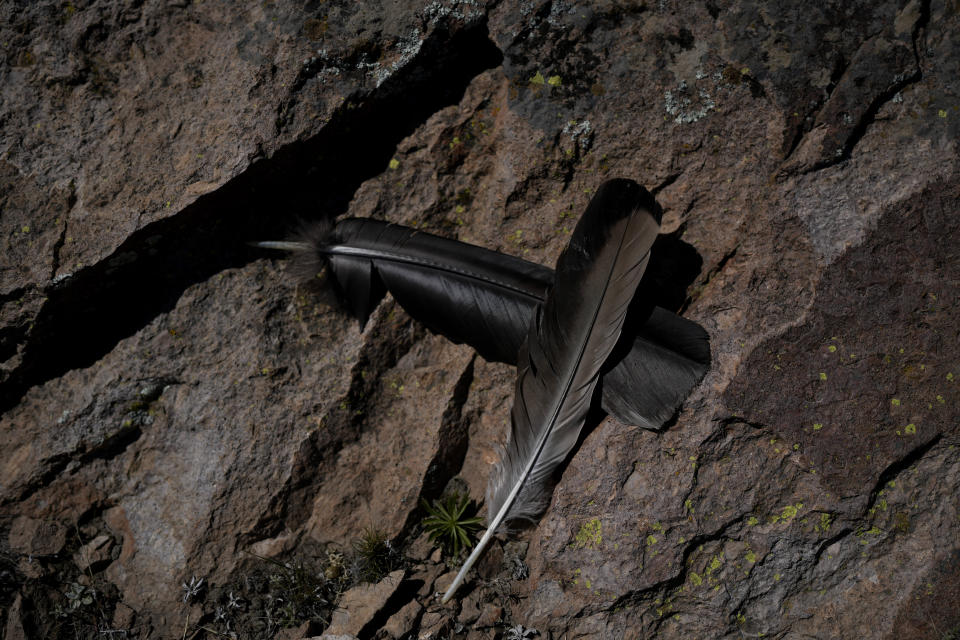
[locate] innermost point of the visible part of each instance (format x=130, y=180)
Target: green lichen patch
x=715, y=563
x=788, y=513
x=824, y=524
x=590, y=535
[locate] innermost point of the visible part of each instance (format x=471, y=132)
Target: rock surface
x=188, y=429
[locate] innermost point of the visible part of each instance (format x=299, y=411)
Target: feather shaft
x=283, y=245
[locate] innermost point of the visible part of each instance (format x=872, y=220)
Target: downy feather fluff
x=568, y=342
x=488, y=300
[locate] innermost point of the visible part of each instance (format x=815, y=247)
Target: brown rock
x=298, y=633
x=433, y=625
x=14, y=628
x=123, y=616
x=444, y=581
x=403, y=622
x=470, y=609
x=30, y=567
x=360, y=604
x=34, y=537
x=491, y=615
x=93, y=553
x=429, y=575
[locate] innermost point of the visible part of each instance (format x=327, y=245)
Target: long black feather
x=487, y=300
x=569, y=340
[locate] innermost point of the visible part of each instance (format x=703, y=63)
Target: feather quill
x=568, y=342
x=488, y=300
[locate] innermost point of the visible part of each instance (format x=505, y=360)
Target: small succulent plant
x=519, y=632
x=448, y=523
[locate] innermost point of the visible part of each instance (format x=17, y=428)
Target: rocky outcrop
x=196, y=440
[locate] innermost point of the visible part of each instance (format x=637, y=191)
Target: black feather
x=569, y=340
x=487, y=300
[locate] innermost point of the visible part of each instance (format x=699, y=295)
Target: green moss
x=537, y=79
x=696, y=580
x=651, y=540
x=752, y=521
x=910, y=429
x=751, y=556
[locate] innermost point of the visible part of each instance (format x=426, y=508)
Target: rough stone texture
x=360, y=604
x=173, y=400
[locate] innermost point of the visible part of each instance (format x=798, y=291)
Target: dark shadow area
x=89, y=313
x=673, y=267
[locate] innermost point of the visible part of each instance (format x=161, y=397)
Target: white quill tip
x=468, y=564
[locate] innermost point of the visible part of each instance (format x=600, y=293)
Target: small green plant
x=450, y=522
x=373, y=557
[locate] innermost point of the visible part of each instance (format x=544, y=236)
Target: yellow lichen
x=715, y=564
x=590, y=535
